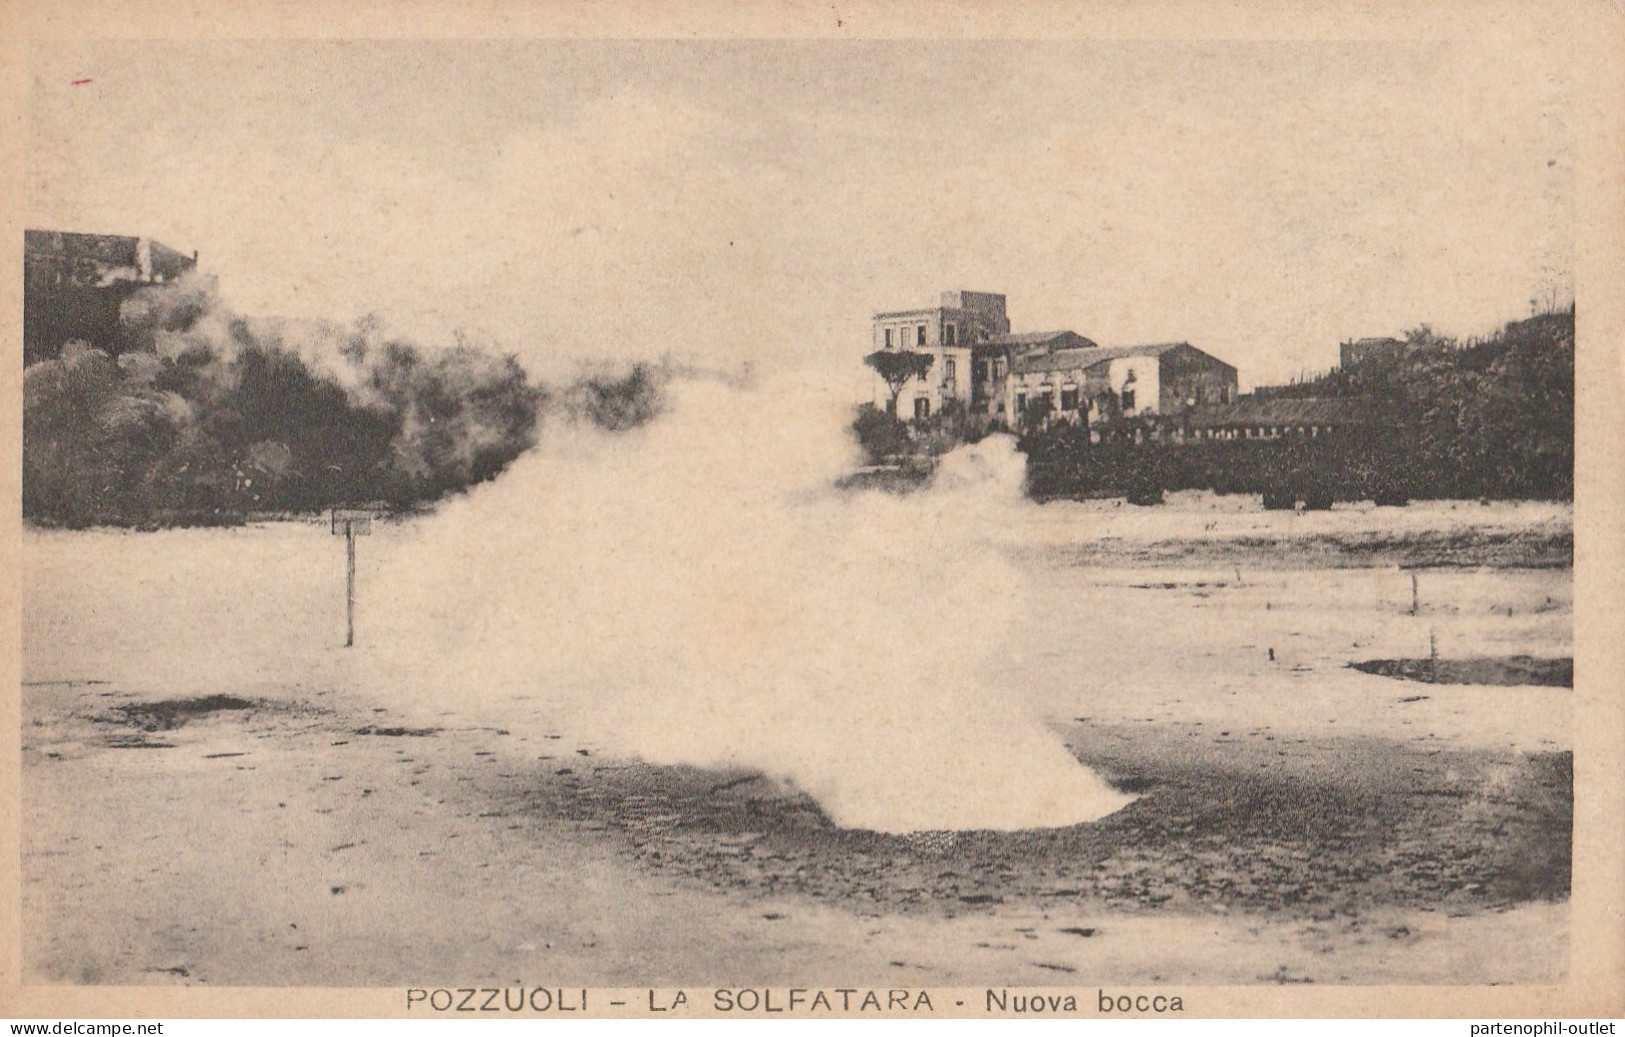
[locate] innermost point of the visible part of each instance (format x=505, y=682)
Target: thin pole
x=349, y=585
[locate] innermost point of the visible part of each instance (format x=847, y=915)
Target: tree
x=895, y=367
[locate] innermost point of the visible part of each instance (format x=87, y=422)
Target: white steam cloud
x=697, y=591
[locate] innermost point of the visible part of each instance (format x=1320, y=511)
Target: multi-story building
x=949, y=333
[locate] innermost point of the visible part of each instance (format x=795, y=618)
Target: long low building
x=1271, y=419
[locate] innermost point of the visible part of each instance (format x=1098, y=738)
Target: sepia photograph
x=931, y=526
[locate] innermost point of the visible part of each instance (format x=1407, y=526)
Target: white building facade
x=948, y=333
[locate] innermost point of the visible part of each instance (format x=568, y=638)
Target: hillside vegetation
x=213, y=416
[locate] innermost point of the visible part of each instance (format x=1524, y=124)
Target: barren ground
x=1297, y=821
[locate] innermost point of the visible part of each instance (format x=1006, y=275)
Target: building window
x=922, y=407
x=1021, y=403
x=919, y=334
x=1128, y=400
x=888, y=338
x=949, y=370
x=952, y=335
x=1069, y=399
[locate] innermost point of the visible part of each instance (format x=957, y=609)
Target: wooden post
x=349, y=585
x=352, y=524
x=1416, y=599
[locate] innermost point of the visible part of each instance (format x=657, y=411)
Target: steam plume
x=694, y=591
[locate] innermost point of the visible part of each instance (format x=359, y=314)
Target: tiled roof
x=1149, y=349
x=1074, y=359
x=1035, y=338
x=1060, y=360
x=1276, y=412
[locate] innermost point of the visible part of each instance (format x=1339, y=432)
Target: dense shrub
x=210, y=416
x=881, y=435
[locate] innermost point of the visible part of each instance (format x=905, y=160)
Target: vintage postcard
x=565, y=511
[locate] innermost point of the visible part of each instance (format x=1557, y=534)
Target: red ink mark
x=79, y=82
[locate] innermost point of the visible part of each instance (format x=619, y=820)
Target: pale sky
x=760, y=200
